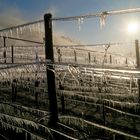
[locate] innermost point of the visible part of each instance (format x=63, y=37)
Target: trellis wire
x=78, y=121
x=117, y=12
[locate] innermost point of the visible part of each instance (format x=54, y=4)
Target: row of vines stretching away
x=97, y=90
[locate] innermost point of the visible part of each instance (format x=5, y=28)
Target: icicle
x=11, y=33
x=21, y=32
x=30, y=28
x=6, y=34
x=1, y=35
x=39, y=28
x=80, y=22
x=24, y=29
x=33, y=26
x=17, y=32
x=102, y=19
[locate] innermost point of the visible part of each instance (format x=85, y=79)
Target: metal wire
x=20, y=39
x=93, y=15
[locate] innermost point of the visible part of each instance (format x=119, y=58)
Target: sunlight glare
x=133, y=27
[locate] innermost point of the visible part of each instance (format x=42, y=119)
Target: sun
x=133, y=27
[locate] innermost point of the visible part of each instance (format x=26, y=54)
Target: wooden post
x=59, y=55
x=49, y=55
x=14, y=90
x=62, y=98
x=137, y=63
x=110, y=59
x=75, y=57
x=94, y=59
x=37, y=83
x=126, y=61
x=105, y=59
x=137, y=54
x=63, y=103
x=104, y=120
x=12, y=54
x=4, y=53
x=139, y=89
x=89, y=57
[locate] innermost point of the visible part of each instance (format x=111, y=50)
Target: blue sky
x=30, y=10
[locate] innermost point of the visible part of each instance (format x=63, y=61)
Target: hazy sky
x=14, y=12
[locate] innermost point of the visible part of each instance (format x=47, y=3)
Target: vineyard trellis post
x=126, y=61
x=4, y=53
x=12, y=54
x=49, y=55
x=89, y=57
x=75, y=56
x=104, y=113
x=137, y=63
x=110, y=59
x=14, y=90
x=137, y=54
x=59, y=55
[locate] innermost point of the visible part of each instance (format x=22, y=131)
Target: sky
x=16, y=12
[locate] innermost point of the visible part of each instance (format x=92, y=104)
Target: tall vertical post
x=12, y=54
x=126, y=61
x=49, y=55
x=95, y=59
x=89, y=57
x=14, y=90
x=104, y=119
x=59, y=55
x=137, y=63
x=110, y=59
x=75, y=57
x=4, y=53
x=139, y=89
x=137, y=54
